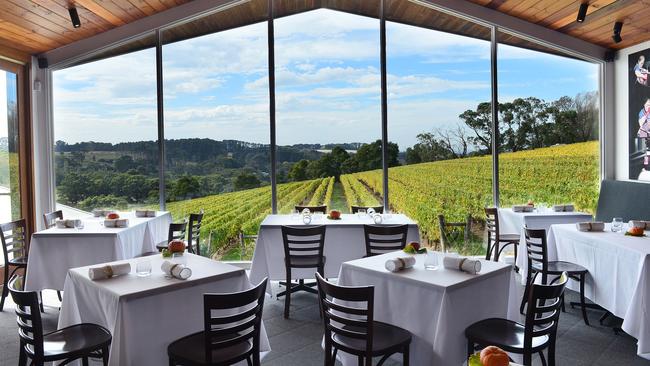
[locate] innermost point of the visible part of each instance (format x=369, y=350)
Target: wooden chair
x=15, y=248
x=384, y=239
x=50, y=218
x=538, y=264
x=497, y=242
x=303, y=248
x=312, y=209
x=378, y=209
x=538, y=333
x=225, y=339
x=354, y=330
x=176, y=231
x=194, y=233
x=81, y=341
x=451, y=232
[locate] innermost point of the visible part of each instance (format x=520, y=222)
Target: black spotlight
x=618, y=26
x=582, y=12
x=74, y=17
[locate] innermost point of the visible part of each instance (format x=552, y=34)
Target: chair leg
x=582, y=299
x=541, y=357
x=360, y=360
x=40, y=297
x=524, y=298
x=470, y=348
x=551, y=352
x=171, y=362
x=248, y=361
x=407, y=355
x=58, y=294
x=287, y=296
x=562, y=300
x=5, y=290
x=84, y=361
x=22, y=356
x=105, y=353
x=256, y=357
x=528, y=359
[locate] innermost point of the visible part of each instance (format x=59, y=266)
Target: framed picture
x=639, y=115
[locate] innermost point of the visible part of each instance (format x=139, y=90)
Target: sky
x=327, y=84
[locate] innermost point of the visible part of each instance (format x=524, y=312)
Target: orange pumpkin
x=335, y=214
x=176, y=246
x=494, y=356
x=637, y=231
x=112, y=216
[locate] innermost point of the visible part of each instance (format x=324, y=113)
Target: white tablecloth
x=54, y=251
x=511, y=222
x=146, y=314
x=619, y=274
x=344, y=241
x=435, y=306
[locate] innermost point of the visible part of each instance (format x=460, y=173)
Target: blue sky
x=327, y=84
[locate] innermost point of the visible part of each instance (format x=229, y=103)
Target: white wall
x=621, y=110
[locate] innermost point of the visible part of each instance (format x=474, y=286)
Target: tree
x=246, y=181
x=185, y=187
x=124, y=163
x=298, y=171
x=369, y=156
x=479, y=122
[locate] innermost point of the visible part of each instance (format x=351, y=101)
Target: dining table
x=511, y=222
x=434, y=305
x=146, y=314
x=619, y=273
x=53, y=251
x=344, y=241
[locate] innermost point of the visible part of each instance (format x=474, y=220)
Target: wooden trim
x=13, y=55
x=25, y=158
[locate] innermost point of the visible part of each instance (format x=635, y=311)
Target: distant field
x=455, y=188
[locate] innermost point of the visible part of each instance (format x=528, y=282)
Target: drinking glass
x=178, y=258
x=361, y=213
x=143, y=268
x=78, y=224
x=318, y=215
x=432, y=261
x=617, y=224
x=294, y=214
x=306, y=219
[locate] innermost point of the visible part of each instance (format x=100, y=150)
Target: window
x=328, y=108
x=548, y=122
x=10, y=208
x=105, y=128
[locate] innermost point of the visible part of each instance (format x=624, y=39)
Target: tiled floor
x=297, y=341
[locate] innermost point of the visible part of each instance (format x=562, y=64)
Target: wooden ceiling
x=560, y=15
x=34, y=26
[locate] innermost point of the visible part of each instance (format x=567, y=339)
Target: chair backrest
x=621, y=199
x=536, y=248
x=384, y=239
x=452, y=232
x=176, y=231
x=15, y=243
x=343, y=319
x=303, y=243
x=28, y=312
x=378, y=209
x=543, y=312
x=194, y=233
x=238, y=318
x=312, y=209
x=492, y=226
x=50, y=218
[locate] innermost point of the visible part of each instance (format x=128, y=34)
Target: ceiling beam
x=98, y=10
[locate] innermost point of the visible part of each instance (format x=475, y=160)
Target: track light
x=74, y=17
x=618, y=26
x=582, y=12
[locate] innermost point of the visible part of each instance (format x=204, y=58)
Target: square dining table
x=52, y=252
x=619, y=274
x=344, y=241
x=146, y=314
x=511, y=222
x=434, y=305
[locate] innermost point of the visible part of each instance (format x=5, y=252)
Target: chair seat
x=509, y=237
x=502, y=333
x=20, y=261
x=385, y=336
x=558, y=267
x=191, y=350
x=305, y=261
x=80, y=338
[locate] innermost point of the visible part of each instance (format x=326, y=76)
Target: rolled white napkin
x=591, y=226
x=400, y=263
x=100, y=213
x=470, y=266
x=522, y=208
x=176, y=270
x=563, y=208
x=65, y=224
x=108, y=271
x=145, y=213
x=116, y=223
x=645, y=225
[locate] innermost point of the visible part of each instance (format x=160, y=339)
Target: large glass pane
x=217, y=129
x=9, y=147
x=106, y=154
x=439, y=116
x=548, y=122
x=328, y=108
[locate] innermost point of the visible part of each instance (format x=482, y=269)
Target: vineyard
x=454, y=188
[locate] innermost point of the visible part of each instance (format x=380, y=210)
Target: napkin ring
x=402, y=262
x=171, y=269
x=108, y=270
x=460, y=264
